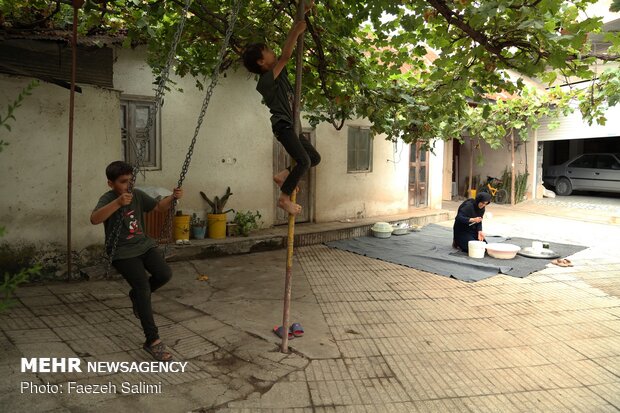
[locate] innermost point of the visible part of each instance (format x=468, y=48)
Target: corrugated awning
x=51, y=61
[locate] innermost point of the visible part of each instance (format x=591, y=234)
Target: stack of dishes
x=381, y=230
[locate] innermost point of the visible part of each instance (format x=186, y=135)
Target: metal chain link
x=214, y=79
x=138, y=163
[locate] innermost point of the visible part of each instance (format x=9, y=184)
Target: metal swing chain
x=214, y=79
x=152, y=114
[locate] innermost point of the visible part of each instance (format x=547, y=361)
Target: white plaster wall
x=495, y=161
x=236, y=126
x=574, y=127
x=34, y=166
x=435, y=174
x=601, y=8
x=352, y=195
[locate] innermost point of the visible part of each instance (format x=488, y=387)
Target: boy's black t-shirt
x=278, y=95
x=132, y=241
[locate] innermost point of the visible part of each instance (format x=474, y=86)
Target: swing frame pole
x=77, y=4
x=288, y=279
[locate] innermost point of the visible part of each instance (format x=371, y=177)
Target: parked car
x=587, y=172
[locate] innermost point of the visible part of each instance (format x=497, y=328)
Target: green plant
x=217, y=204
x=197, y=222
x=12, y=279
x=246, y=222
x=520, y=184
x=10, y=110
x=11, y=282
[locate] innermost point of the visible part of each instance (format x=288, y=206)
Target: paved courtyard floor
x=379, y=337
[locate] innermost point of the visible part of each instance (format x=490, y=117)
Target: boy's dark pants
x=300, y=149
x=133, y=270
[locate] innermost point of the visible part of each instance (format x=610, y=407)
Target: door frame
x=416, y=166
x=311, y=132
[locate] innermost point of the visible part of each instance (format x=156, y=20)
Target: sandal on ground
x=296, y=329
x=158, y=351
x=562, y=262
x=278, y=331
x=134, y=304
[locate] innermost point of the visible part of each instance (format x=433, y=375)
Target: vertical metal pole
x=471, y=167
x=512, y=168
x=291, y=218
x=76, y=5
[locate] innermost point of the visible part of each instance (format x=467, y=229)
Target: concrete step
x=276, y=238
x=305, y=235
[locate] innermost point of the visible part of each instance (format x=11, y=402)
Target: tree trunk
x=471, y=166
x=512, y=168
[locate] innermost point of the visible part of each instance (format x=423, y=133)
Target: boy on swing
x=277, y=92
x=135, y=253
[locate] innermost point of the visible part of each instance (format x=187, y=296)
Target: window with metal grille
x=134, y=118
x=359, y=150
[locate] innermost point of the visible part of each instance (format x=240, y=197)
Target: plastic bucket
x=181, y=227
x=476, y=249
x=216, y=225
x=199, y=232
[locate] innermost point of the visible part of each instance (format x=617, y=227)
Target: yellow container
x=181, y=227
x=216, y=225
x=472, y=193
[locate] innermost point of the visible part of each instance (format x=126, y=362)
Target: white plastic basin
x=503, y=251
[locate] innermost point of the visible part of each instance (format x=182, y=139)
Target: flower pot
x=181, y=227
x=216, y=224
x=198, y=232
x=231, y=229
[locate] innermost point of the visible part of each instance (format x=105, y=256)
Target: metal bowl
x=400, y=228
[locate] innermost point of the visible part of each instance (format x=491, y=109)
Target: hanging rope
x=288, y=279
x=137, y=166
x=205, y=104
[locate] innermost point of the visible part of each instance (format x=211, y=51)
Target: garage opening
x=558, y=152
x=593, y=167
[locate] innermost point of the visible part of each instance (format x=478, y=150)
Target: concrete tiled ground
x=495, y=343
x=380, y=337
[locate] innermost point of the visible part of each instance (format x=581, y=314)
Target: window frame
x=613, y=162
x=356, y=150
x=581, y=158
x=154, y=162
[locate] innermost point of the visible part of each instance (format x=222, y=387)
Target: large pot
x=216, y=225
x=181, y=227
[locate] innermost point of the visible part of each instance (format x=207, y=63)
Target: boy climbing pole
x=277, y=92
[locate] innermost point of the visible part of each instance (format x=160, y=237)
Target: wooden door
x=305, y=196
x=418, y=176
